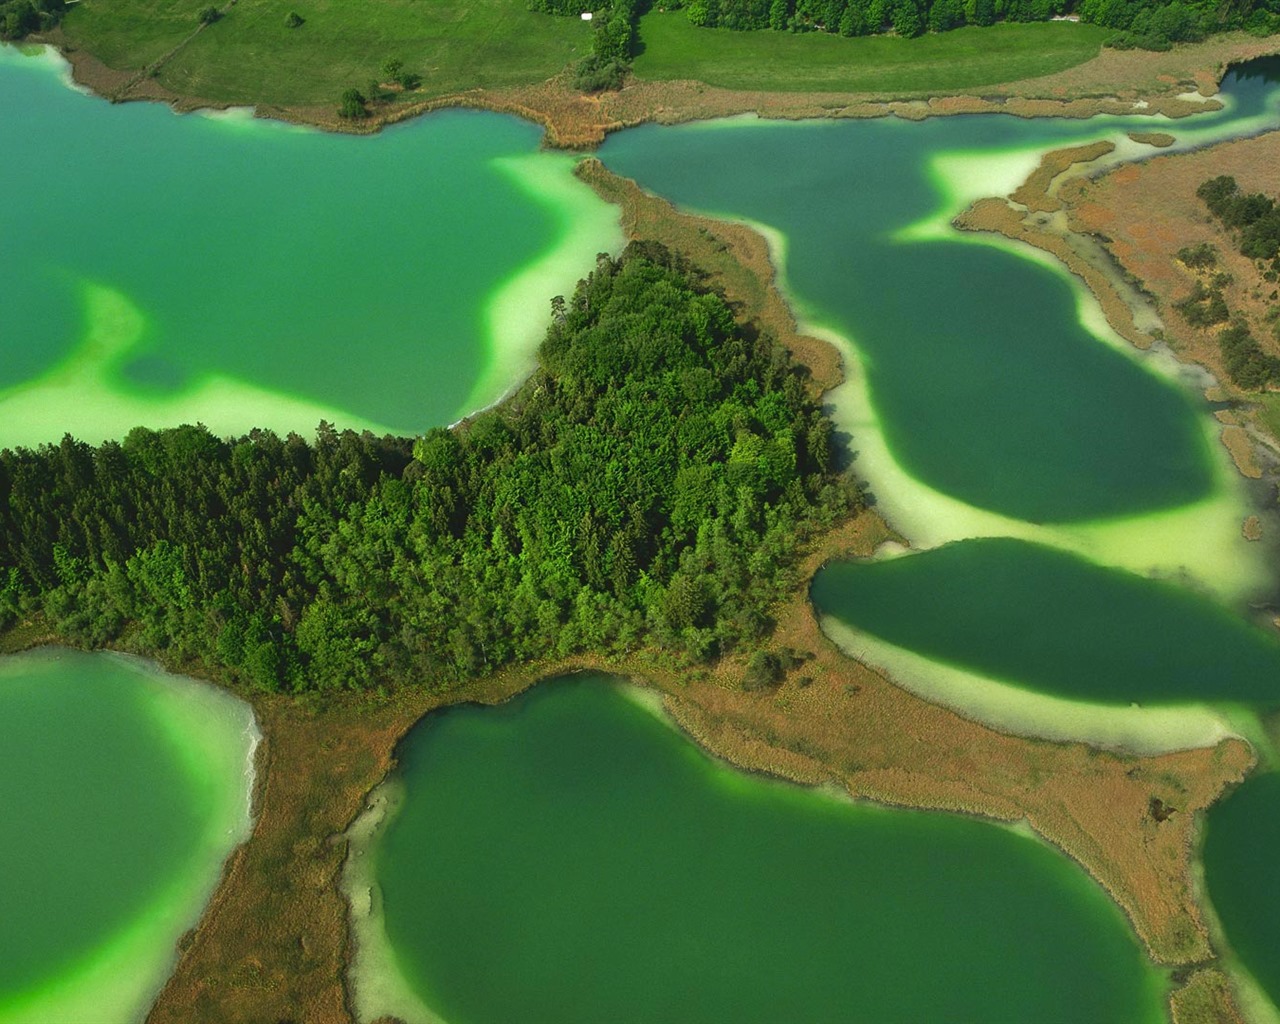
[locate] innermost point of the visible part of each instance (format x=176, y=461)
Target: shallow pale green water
x=122, y=790
x=570, y=857
x=158, y=269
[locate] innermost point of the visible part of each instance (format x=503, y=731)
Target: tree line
x=20, y=18
x=613, y=39
x=1151, y=24
x=651, y=485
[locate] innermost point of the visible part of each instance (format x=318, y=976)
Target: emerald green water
x=1036, y=616
x=570, y=857
x=122, y=791
x=159, y=269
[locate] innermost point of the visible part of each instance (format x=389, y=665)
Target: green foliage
x=1149, y=24
x=651, y=484
x=19, y=18
x=208, y=15
x=1198, y=257
x=591, y=74
x=294, y=20
x=352, y=105
x=1245, y=361
x=1204, y=307
x=613, y=40
x=821, y=61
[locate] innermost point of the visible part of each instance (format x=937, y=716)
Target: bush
x=294, y=20
x=351, y=106
x=1198, y=257
x=208, y=15
x=592, y=74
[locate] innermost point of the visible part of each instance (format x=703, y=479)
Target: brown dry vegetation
x=274, y=941
x=1204, y=999
x=1144, y=213
x=1160, y=140
x=1113, y=82
x=1127, y=225
x=1036, y=193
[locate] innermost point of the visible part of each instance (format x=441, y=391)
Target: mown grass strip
x=672, y=49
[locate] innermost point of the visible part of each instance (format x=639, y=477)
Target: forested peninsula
x=651, y=485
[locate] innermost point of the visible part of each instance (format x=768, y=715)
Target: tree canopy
x=650, y=485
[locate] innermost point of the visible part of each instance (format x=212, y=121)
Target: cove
x=159, y=269
x=981, y=377
x=1042, y=618
x=1242, y=875
x=122, y=790
x=616, y=872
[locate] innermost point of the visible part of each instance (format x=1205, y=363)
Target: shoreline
x=1037, y=214
x=1105, y=84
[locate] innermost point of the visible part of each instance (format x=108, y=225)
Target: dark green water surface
x=1242, y=869
x=1049, y=620
x=569, y=857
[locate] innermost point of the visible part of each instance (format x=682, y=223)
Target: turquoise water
x=983, y=380
x=122, y=791
x=158, y=269
x=570, y=857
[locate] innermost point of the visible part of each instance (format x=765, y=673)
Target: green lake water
x=571, y=857
x=122, y=790
x=158, y=269
x=1242, y=873
x=1033, y=615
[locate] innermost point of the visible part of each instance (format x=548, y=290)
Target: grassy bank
x=250, y=55
x=966, y=58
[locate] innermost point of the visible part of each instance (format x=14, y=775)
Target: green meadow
x=672, y=48
x=251, y=55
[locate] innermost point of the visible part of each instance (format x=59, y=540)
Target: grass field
x=817, y=62
x=250, y=56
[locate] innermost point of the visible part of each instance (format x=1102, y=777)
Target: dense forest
x=650, y=485
x=1151, y=24
x=19, y=18
x=1254, y=221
